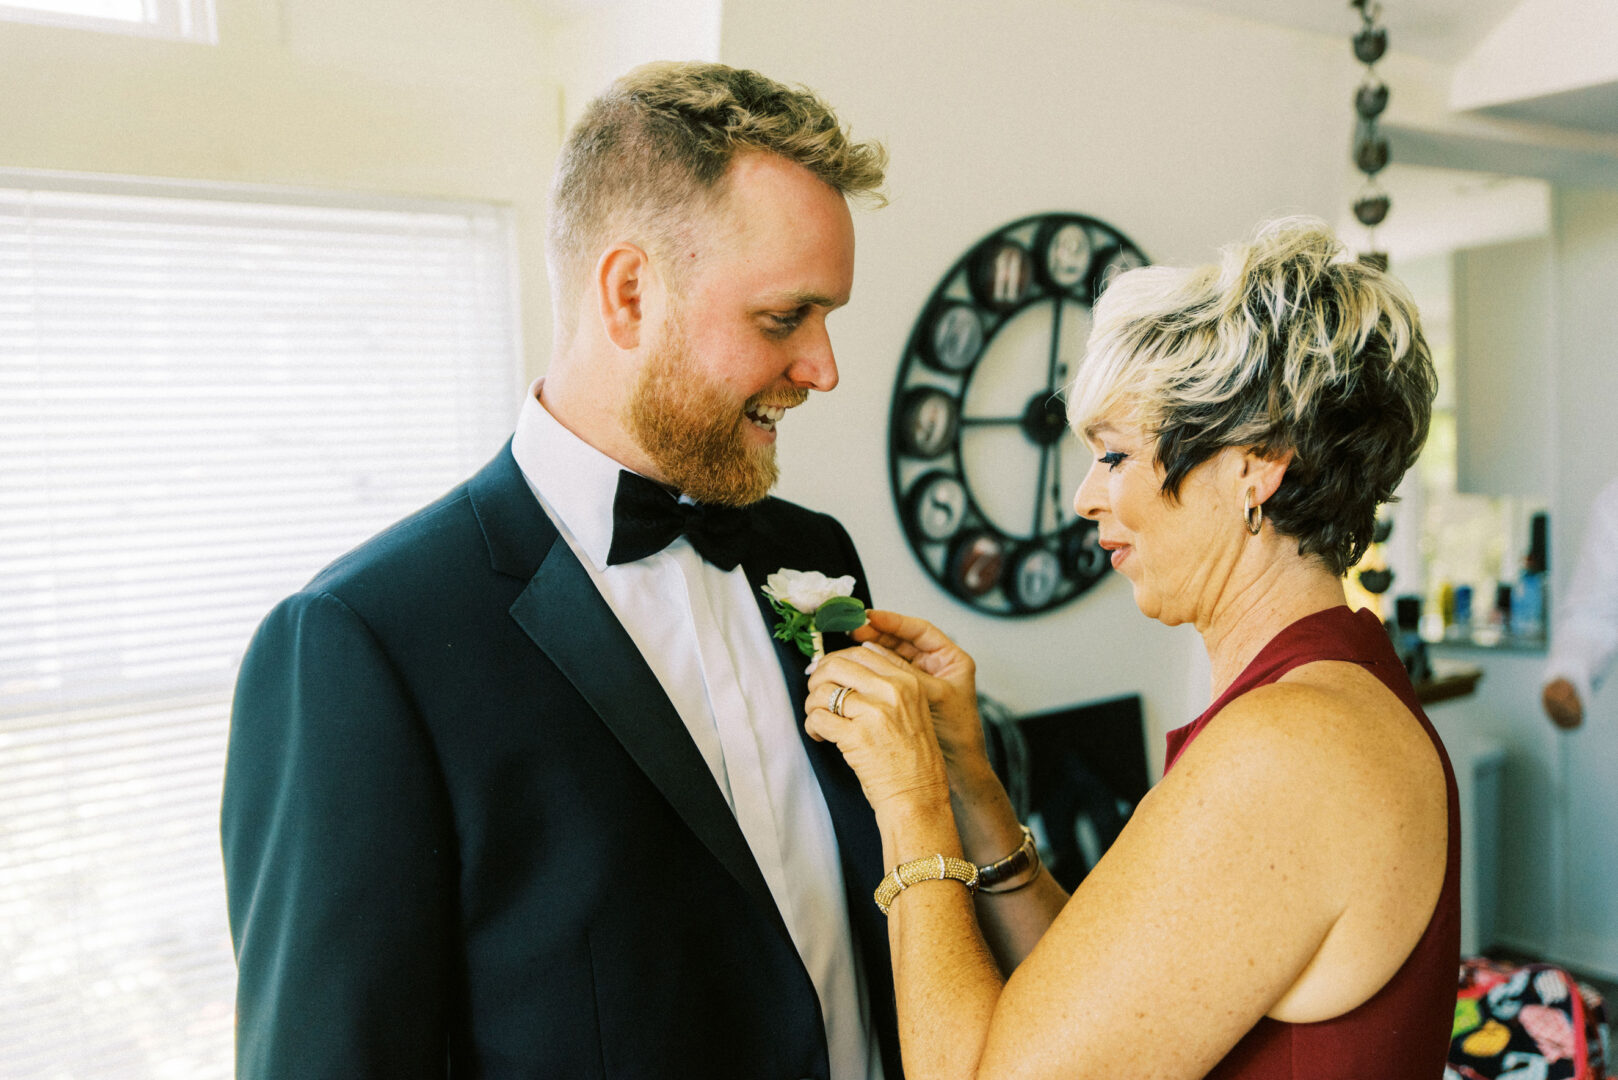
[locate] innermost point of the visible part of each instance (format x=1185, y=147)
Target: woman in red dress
x=1285, y=903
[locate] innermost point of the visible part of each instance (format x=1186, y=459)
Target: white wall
x=1586, y=390
x=1180, y=128
x=597, y=45
x=1504, y=358
x=405, y=97
x=1586, y=394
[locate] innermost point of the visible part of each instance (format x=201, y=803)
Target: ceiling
x=1442, y=30
x=1593, y=108
x=1445, y=31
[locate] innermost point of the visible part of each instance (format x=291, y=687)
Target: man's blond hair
x=651, y=154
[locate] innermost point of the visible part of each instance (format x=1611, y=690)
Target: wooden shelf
x=1453, y=683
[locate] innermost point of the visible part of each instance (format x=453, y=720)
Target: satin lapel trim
x=852, y=819
x=859, y=844
x=565, y=616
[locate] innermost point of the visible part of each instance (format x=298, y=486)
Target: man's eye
x=784, y=324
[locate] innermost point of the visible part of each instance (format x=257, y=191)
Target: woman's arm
x=1208, y=909
x=986, y=821
x=945, y=980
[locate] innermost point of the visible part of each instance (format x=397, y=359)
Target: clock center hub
x=1044, y=421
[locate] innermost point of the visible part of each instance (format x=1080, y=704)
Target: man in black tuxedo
x=519, y=787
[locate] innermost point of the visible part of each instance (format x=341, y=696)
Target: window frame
x=173, y=20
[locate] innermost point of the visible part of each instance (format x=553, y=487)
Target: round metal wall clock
x=979, y=451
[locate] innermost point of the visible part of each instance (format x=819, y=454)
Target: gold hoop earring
x=1252, y=515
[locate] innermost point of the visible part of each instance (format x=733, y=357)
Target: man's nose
x=814, y=367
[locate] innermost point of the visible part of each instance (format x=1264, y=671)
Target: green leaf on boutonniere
x=840, y=614
x=794, y=626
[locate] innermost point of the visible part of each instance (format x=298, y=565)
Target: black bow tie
x=646, y=519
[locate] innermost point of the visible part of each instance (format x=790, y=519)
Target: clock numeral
x=929, y=422
x=956, y=339
x=977, y=563
x=937, y=506
x=1035, y=577
x=1067, y=255
x=1003, y=276
x=1008, y=276
x=1086, y=559
x=1111, y=263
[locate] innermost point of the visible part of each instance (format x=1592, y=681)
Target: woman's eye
x=1112, y=458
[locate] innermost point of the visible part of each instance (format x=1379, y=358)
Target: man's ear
x=1264, y=473
x=621, y=277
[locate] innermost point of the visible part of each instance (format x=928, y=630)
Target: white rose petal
x=806, y=590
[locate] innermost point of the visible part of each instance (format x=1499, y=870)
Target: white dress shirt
x=700, y=631
x=1584, y=639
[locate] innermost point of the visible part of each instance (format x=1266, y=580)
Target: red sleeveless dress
x=1403, y=1032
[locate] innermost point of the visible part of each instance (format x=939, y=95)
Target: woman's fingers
x=868, y=634
x=825, y=696
x=909, y=628
x=864, y=672
x=882, y=724
x=881, y=659
x=822, y=725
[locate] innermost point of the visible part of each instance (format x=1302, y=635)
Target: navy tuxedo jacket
x=467, y=835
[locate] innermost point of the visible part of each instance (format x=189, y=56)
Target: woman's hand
x=949, y=679
x=885, y=730
x=947, y=675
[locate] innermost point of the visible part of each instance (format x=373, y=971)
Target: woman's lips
x=1120, y=552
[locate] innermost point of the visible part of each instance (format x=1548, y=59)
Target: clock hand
x=1039, y=492
x=1056, y=344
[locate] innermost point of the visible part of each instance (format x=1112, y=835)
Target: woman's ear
x=1264, y=473
x=620, y=283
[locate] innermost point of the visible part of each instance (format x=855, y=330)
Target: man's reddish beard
x=696, y=433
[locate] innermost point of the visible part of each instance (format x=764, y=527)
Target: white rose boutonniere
x=810, y=603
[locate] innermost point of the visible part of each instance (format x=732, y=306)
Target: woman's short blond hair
x=1284, y=345
x=652, y=152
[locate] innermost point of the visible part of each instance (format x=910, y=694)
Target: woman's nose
x=1090, y=499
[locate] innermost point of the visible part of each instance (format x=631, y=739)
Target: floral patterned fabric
x=1533, y=1022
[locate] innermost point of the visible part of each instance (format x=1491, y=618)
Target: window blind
x=203, y=399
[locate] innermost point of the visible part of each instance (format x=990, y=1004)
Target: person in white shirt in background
x=1584, y=640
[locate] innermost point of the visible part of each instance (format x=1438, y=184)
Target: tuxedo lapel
x=565, y=616
x=858, y=842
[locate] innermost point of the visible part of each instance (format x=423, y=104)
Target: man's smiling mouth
x=766, y=416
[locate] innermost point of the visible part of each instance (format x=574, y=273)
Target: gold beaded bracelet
x=928, y=868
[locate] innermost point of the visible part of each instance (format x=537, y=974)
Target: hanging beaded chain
x=1370, y=145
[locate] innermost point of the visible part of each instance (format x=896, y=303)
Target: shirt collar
x=575, y=482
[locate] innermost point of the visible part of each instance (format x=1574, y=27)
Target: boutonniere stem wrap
x=811, y=604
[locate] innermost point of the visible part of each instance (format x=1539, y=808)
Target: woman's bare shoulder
x=1328, y=716
x=1362, y=768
